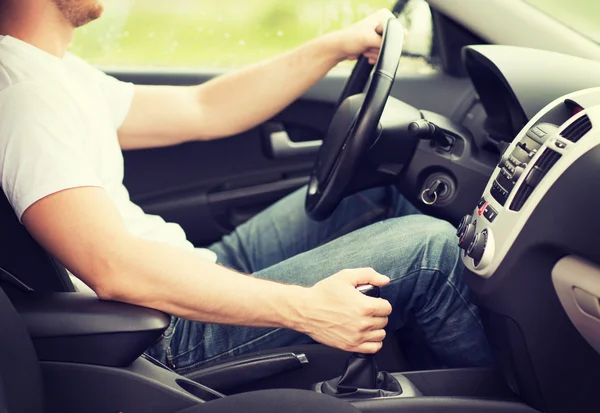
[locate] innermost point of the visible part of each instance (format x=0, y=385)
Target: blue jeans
x=377, y=228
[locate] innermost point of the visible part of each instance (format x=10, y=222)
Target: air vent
x=578, y=129
x=546, y=161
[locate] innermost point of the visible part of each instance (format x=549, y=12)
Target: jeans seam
x=464, y=301
x=448, y=281
x=228, y=352
x=186, y=352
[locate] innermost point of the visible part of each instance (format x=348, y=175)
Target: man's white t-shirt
x=58, y=130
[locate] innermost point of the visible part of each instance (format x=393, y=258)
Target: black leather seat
x=23, y=263
x=22, y=385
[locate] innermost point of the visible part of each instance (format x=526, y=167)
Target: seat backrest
x=21, y=257
x=21, y=389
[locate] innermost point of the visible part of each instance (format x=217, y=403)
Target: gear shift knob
x=369, y=290
x=362, y=379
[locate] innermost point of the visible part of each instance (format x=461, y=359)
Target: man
x=62, y=128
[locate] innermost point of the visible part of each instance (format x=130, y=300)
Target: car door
x=211, y=187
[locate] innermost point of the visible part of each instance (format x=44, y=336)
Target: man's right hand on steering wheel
x=362, y=38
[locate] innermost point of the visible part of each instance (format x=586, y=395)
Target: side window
x=418, y=47
x=231, y=33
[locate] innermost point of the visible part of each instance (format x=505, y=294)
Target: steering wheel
x=355, y=125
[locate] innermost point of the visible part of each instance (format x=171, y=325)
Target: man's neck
x=43, y=27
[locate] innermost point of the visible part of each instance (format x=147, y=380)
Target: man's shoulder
x=28, y=93
x=30, y=109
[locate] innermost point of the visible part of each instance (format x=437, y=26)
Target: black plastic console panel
x=80, y=328
x=441, y=405
x=245, y=370
x=141, y=387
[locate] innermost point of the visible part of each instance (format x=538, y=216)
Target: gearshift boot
x=362, y=380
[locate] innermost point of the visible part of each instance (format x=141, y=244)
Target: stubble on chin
x=80, y=12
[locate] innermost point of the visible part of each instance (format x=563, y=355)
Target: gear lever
x=362, y=379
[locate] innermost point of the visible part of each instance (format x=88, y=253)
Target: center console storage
x=80, y=328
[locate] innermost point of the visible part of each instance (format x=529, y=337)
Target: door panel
x=210, y=187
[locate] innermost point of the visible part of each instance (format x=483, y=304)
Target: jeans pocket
x=186, y=344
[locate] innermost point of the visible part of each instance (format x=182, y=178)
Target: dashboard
x=541, y=153
x=514, y=83
x=530, y=242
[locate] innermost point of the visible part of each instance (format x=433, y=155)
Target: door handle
x=282, y=146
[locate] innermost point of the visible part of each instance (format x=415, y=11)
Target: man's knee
x=431, y=239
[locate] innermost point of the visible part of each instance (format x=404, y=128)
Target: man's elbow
x=107, y=292
x=107, y=277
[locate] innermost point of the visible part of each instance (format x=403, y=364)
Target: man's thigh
x=284, y=230
x=417, y=252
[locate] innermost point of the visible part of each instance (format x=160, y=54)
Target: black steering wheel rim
x=354, y=127
x=358, y=79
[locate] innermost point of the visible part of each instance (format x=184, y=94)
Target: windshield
x=582, y=16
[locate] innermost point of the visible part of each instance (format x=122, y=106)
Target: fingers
x=375, y=336
x=383, y=16
x=363, y=276
x=372, y=57
x=368, y=348
x=379, y=324
x=377, y=307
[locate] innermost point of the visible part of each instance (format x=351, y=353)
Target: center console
x=530, y=247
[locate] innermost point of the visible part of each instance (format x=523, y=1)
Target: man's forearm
x=181, y=283
x=262, y=90
x=240, y=100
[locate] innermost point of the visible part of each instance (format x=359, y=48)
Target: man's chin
x=93, y=14
x=80, y=12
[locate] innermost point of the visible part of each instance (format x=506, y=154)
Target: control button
x=482, y=208
x=539, y=132
x=506, y=174
x=514, y=161
x=499, y=193
x=481, y=203
x=463, y=225
x=468, y=237
x=560, y=145
x=472, y=245
x=477, y=248
x=490, y=213
x=518, y=172
x=496, y=186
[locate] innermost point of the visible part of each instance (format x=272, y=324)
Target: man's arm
x=236, y=102
x=84, y=230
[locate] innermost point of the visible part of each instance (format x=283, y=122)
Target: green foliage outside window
x=212, y=33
